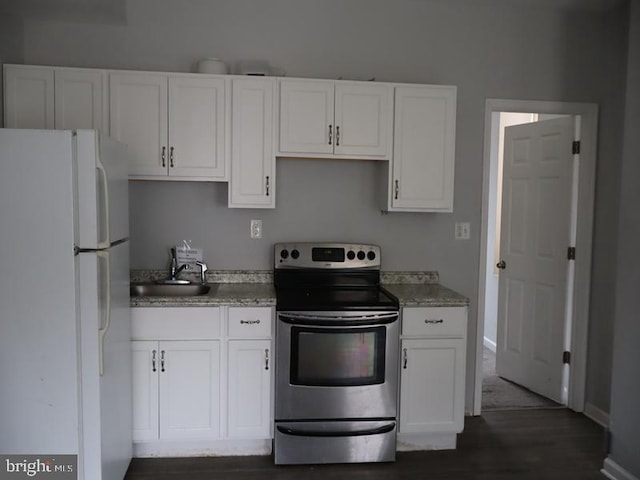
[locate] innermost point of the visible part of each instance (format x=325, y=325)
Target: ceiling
x=94, y=11
x=114, y=11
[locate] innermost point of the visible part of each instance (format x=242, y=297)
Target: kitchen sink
x=168, y=290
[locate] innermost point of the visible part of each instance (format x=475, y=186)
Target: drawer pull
x=249, y=322
x=433, y=322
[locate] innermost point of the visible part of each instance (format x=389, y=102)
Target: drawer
x=250, y=321
x=434, y=321
x=175, y=323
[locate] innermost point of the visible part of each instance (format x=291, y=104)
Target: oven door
x=336, y=365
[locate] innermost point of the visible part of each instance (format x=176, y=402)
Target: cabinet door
x=29, y=97
x=432, y=386
x=189, y=389
x=196, y=127
x=138, y=117
x=145, y=362
x=80, y=100
x=306, y=117
x=363, y=120
x=249, y=385
x=423, y=149
x=252, y=182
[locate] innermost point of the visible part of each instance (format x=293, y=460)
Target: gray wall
x=625, y=392
x=487, y=51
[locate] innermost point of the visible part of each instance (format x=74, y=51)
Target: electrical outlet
x=463, y=231
x=256, y=228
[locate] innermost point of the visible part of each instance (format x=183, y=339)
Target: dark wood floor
x=554, y=444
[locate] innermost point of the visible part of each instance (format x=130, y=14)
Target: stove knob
x=284, y=253
x=351, y=254
x=361, y=255
x=295, y=254
x=371, y=255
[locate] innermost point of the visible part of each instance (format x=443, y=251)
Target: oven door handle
x=337, y=433
x=338, y=320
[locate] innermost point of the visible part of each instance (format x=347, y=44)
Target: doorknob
x=501, y=265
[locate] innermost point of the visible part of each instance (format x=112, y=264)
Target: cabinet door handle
x=162, y=361
x=266, y=359
x=171, y=157
x=337, y=136
x=163, y=156
x=405, y=359
x=249, y=322
x=397, y=189
x=267, y=185
x=330, y=134
x=153, y=361
x=433, y=321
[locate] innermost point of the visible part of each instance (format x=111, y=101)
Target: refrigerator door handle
x=106, y=320
x=105, y=242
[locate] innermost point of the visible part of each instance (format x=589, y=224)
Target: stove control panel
x=326, y=255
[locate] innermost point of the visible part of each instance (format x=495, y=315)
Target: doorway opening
x=498, y=115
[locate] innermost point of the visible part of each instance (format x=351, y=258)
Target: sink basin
x=168, y=290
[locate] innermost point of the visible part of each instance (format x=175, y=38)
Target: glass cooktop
x=334, y=298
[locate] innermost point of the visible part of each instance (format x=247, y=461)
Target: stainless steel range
x=336, y=355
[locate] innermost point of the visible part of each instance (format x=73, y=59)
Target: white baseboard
x=490, y=344
x=408, y=442
x=597, y=415
x=614, y=471
x=202, y=448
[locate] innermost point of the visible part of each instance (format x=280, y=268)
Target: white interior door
x=535, y=235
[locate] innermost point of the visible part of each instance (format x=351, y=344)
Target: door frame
x=588, y=113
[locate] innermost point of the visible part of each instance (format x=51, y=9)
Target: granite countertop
x=425, y=295
x=249, y=288
x=255, y=288
x=249, y=294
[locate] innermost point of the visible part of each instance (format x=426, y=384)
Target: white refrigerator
x=65, y=353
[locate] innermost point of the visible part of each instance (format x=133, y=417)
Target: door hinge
x=571, y=253
x=575, y=147
x=566, y=357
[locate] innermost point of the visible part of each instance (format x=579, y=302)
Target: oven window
x=337, y=357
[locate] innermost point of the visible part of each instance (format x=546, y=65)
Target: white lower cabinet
x=430, y=399
x=250, y=372
x=432, y=377
x=202, y=380
x=249, y=388
x=176, y=389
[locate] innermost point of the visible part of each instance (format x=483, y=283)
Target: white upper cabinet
x=253, y=162
x=321, y=118
x=174, y=125
x=55, y=98
x=422, y=169
x=138, y=111
x=80, y=100
x=197, y=127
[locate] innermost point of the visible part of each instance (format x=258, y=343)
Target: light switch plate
x=256, y=228
x=463, y=231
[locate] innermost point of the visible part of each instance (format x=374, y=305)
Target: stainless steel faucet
x=203, y=270
x=174, y=269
